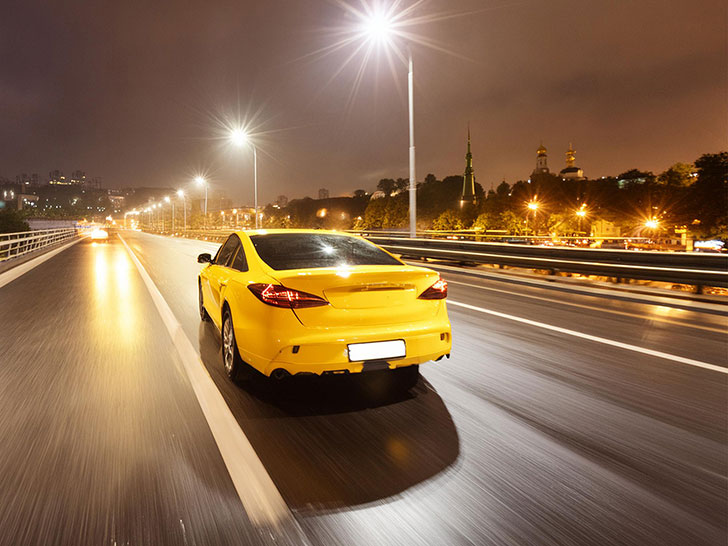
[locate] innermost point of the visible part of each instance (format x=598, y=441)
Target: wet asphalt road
x=525, y=436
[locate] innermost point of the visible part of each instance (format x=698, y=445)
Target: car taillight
x=437, y=291
x=280, y=296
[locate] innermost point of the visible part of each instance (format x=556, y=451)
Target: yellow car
x=291, y=302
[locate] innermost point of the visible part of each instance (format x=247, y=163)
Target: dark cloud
x=130, y=91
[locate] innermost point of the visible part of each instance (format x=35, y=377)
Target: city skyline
x=521, y=74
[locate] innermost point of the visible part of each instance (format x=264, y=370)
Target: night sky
x=134, y=92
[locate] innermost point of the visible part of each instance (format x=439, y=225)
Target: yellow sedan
x=291, y=302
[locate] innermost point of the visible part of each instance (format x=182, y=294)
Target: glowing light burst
x=379, y=29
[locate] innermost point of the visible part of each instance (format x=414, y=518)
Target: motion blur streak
x=525, y=436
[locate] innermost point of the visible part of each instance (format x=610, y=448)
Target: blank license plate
x=378, y=350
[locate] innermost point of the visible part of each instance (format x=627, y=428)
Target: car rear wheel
x=230, y=356
x=407, y=377
x=204, y=316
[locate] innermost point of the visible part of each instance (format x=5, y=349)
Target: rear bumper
x=319, y=351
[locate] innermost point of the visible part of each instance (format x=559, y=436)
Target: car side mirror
x=204, y=258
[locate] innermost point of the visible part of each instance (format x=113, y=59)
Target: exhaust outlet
x=279, y=374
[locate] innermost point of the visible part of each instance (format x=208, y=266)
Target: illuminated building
x=571, y=171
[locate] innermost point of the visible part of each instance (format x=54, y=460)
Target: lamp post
x=235, y=212
x=532, y=206
x=202, y=182
x=168, y=200
x=580, y=214
x=380, y=27
x=240, y=137
x=181, y=195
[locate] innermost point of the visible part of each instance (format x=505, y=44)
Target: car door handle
x=223, y=283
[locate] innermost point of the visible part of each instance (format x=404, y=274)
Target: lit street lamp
x=168, y=200
x=202, y=182
x=380, y=27
x=235, y=212
x=239, y=137
x=532, y=207
x=181, y=195
x=581, y=214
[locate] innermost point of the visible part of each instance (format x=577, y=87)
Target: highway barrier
x=13, y=245
x=699, y=269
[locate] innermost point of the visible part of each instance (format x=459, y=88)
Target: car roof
x=250, y=232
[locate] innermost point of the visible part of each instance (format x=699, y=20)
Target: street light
x=168, y=200
x=652, y=223
x=581, y=214
x=533, y=207
x=240, y=137
x=181, y=195
x=235, y=212
x=380, y=27
x=202, y=182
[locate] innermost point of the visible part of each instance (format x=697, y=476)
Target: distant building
x=604, y=228
x=78, y=178
x=323, y=193
x=26, y=180
x=468, y=193
x=57, y=178
x=571, y=171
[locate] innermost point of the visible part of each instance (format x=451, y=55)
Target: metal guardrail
x=13, y=245
x=697, y=269
x=677, y=267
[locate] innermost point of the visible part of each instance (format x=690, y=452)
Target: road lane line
x=627, y=346
x=682, y=324
x=12, y=274
x=260, y=497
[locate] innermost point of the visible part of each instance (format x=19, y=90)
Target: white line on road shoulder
x=627, y=346
x=260, y=497
x=12, y=274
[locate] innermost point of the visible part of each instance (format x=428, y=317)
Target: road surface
x=565, y=416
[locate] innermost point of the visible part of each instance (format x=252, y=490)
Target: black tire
x=407, y=377
x=204, y=316
x=231, y=360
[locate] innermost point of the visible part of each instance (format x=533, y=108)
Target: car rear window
x=311, y=250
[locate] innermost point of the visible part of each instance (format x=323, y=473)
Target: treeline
x=693, y=195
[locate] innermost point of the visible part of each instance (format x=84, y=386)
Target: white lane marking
x=683, y=324
x=627, y=346
x=259, y=495
x=12, y=274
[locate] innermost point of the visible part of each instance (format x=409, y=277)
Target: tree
x=395, y=213
x=679, y=175
x=387, y=186
x=360, y=194
x=374, y=213
x=710, y=191
x=512, y=223
x=449, y=220
x=12, y=222
x=486, y=220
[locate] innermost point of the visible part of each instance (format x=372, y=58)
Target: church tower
x=541, y=161
x=468, y=195
x=571, y=171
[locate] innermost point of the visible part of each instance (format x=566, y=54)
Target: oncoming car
x=291, y=302
x=99, y=235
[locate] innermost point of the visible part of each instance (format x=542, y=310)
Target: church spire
x=468, y=195
x=570, y=156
